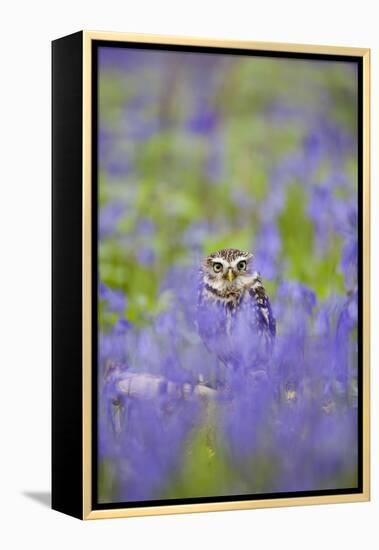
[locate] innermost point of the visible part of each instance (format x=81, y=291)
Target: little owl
x=234, y=318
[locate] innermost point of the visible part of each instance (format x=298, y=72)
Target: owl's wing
x=263, y=316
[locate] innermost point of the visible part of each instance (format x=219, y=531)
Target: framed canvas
x=210, y=275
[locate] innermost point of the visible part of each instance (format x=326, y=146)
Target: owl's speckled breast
x=229, y=298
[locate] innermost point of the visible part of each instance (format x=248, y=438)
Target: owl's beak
x=230, y=275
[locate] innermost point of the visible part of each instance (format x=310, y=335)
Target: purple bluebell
x=116, y=299
x=267, y=252
x=109, y=216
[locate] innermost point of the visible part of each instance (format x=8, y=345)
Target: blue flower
x=116, y=299
x=109, y=216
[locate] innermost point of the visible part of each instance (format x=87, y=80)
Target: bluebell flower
x=145, y=227
x=109, y=216
x=146, y=256
x=267, y=251
x=203, y=122
x=116, y=299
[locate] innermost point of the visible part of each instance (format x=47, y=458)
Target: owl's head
x=228, y=268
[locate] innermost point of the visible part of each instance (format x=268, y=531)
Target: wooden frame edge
x=366, y=272
x=220, y=43
x=224, y=506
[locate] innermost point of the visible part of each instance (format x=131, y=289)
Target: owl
x=234, y=316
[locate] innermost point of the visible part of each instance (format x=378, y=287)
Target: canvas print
x=228, y=297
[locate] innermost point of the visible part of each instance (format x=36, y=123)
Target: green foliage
x=302, y=264
x=215, y=178
x=204, y=469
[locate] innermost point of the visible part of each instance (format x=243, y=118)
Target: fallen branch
x=148, y=386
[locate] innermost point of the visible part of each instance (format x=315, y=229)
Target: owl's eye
x=241, y=265
x=217, y=267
